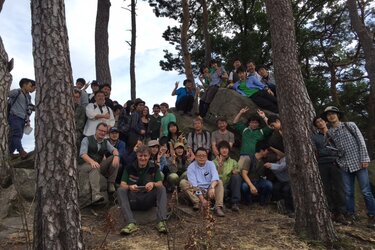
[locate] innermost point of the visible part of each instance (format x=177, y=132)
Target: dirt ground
x=254, y=227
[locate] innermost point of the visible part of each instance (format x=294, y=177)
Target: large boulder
x=9, y=202
x=25, y=180
x=227, y=103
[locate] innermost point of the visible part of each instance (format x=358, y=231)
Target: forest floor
x=254, y=227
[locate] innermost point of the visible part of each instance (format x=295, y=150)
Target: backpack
x=124, y=122
x=193, y=135
x=11, y=101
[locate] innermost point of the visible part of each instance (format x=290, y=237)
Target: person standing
x=166, y=119
x=330, y=173
x=353, y=161
x=18, y=104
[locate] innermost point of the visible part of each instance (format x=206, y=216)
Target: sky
x=153, y=84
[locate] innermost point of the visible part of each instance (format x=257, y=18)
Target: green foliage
x=331, y=57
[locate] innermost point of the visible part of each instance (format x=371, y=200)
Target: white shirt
x=93, y=109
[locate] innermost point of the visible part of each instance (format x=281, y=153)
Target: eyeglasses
x=200, y=155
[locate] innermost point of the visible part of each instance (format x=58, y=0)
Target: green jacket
x=228, y=166
x=251, y=137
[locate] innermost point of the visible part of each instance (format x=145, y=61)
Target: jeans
x=16, y=126
x=233, y=189
x=264, y=188
x=364, y=184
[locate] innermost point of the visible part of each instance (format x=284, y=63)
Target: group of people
x=256, y=83
x=144, y=156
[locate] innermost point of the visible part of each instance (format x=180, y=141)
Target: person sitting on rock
x=177, y=165
x=199, y=137
x=282, y=190
x=141, y=188
x=158, y=155
x=267, y=78
x=229, y=173
x=203, y=183
x=258, y=92
x=253, y=173
x=174, y=134
x=217, y=76
x=92, y=161
x=250, y=135
x=97, y=113
x=114, y=139
x=222, y=134
x=185, y=96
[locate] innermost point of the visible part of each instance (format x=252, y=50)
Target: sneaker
x=129, y=229
x=219, y=212
x=371, y=221
x=235, y=208
x=111, y=188
x=162, y=227
x=97, y=198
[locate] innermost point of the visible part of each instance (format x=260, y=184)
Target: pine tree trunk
x=185, y=38
x=133, y=85
x=206, y=34
x=313, y=219
x=57, y=222
x=367, y=41
x=5, y=82
x=103, y=72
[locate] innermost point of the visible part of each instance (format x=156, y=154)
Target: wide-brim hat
x=178, y=144
x=331, y=109
x=153, y=143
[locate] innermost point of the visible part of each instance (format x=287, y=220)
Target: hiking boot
x=219, y=212
x=129, y=229
x=23, y=154
x=196, y=206
x=97, y=198
x=111, y=188
x=352, y=219
x=340, y=218
x=162, y=227
x=235, y=208
x=371, y=221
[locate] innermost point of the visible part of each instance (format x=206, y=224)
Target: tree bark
x=366, y=38
x=313, y=218
x=206, y=34
x=133, y=85
x=184, y=40
x=5, y=82
x=103, y=72
x=57, y=222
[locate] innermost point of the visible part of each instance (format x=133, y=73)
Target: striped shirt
x=351, y=145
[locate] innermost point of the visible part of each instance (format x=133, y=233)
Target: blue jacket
x=252, y=83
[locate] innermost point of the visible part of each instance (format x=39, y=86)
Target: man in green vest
x=141, y=188
x=93, y=149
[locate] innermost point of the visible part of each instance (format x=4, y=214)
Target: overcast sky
x=153, y=84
